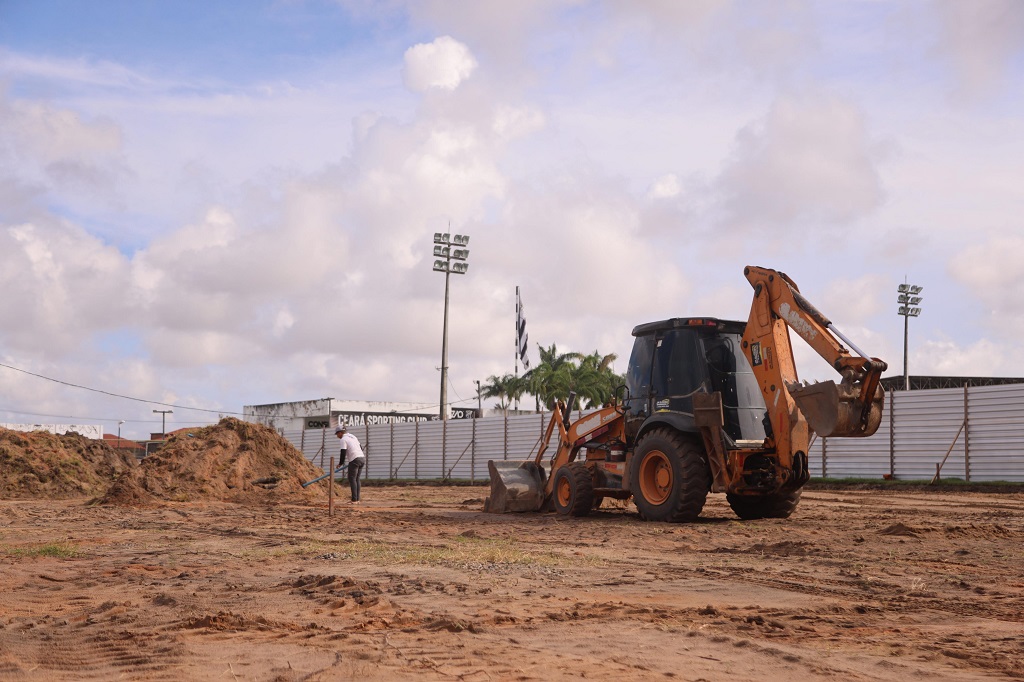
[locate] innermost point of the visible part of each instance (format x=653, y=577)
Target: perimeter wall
x=976, y=434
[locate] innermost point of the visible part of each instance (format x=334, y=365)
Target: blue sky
x=230, y=41
x=227, y=203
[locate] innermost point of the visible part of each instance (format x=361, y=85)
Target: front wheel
x=573, y=490
x=777, y=506
x=670, y=478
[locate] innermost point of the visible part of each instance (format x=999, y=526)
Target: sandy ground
x=418, y=583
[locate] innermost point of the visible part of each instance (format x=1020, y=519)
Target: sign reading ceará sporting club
x=375, y=418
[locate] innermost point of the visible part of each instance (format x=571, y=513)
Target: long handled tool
x=336, y=471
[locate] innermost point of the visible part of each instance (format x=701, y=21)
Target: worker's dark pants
x=355, y=469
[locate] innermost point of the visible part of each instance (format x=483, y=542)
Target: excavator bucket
x=516, y=486
x=836, y=410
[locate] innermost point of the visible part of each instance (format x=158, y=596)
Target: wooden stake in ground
x=330, y=490
x=938, y=467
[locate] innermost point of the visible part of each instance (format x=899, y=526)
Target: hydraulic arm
x=851, y=408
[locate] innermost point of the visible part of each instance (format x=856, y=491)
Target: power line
x=412, y=410
x=460, y=398
x=118, y=395
x=71, y=416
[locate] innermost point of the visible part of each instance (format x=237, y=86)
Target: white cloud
x=55, y=146
x=810, y=161
x=993, y=271
x=201, y=347
x=511, y=122
x=665, y=187
x=81, y=71
x=944, y=357
x=51, y=135
x=994, y=268
x=855, y=300
x=283, y=321
x=981, y=39
x=442, y=64
x=502, y=30
x=59, y=284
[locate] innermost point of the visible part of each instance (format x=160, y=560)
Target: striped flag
x=521, y=336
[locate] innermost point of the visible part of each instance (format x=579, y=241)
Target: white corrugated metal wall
x=918, y=430
x=921, y=428
x=995, y=429
x=458, y=448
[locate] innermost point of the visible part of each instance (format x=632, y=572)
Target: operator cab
x=676, y=358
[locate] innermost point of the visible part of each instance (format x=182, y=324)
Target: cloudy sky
x=217, y=204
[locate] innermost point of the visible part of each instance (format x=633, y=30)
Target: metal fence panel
x=525, y=432
x=310, y=443
x=490, y=436
x=852, y=457
x=429, y=465
x=995, y=426
x=814, y=457
x=458, y=445
x=403, y=457
x=927, y=423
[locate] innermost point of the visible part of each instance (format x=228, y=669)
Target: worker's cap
x=340, y=428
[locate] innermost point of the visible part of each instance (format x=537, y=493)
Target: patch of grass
x=59, y=550
x=415, y=499
x=429, y=482
x=463, y=552
x=944, y=484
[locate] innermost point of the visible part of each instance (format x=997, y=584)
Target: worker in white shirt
x=352, y=455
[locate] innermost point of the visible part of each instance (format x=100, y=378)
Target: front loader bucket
x=836, y=410
x=516, y=486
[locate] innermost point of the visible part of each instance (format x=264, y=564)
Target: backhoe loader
x=709, y=405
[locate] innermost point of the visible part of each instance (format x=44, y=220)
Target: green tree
x=507, y=388
x=551, y=379
x=595, y=381
x=558, y=374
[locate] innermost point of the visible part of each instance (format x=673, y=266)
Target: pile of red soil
x=233, y=461
x=43, y=465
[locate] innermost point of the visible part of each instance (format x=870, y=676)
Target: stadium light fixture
x=909, y=307
x=450, y=254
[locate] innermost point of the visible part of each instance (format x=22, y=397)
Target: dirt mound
x=233, y=461
x=899, y=529
x=127, y=491
x=44, y=465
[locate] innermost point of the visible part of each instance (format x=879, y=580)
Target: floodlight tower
x=446, y=249
x=908, y=298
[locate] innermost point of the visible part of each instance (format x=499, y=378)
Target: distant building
x=93, y=431
x=114, y=441
x=139, y=449
x=325, y=412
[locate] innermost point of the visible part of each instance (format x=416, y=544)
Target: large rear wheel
x=573, y=490
x=777, y=506
x=670, y=478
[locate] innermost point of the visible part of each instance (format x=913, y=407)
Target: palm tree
x=558, y=374
x=595, y=381
x=507, y=388
x=551, y=379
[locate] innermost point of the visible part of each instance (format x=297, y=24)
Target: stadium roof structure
x=920, y=383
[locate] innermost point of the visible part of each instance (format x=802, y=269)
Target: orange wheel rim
x=564, y=492
x=656, y=477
